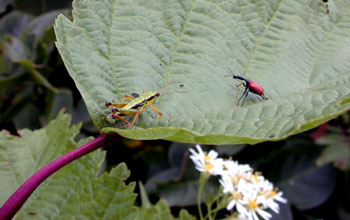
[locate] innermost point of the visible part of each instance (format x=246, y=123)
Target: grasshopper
x=136, y=106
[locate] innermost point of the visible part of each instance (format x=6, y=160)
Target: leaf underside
x=297, y=52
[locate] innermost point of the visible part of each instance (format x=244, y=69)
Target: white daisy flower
x=256, y=178
x=236, y=191
x=271, y=198
x=207, y=162
x=253, y=205
x=232, y=168
x=250, y=193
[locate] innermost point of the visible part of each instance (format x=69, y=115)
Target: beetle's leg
x=156, y=110
x=127, y=97
x=245, y=91
x=240, y=84
x=264, y=97
x=246, y=94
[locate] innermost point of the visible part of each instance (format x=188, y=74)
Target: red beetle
x=250, y=86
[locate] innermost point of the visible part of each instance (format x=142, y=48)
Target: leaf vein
x=173, y=52
x=261, y=35
x=320, y=48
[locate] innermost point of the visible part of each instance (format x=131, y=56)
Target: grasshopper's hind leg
x=127, y=97
x=122, y=119
x=156, y=110
x=128, y=112
x=134, y=120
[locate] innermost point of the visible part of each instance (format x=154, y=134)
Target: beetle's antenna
x=231, y=72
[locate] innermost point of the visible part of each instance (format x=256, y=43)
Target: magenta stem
x=18, y=198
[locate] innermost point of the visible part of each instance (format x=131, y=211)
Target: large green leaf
x=294, y=49
x=72, y=191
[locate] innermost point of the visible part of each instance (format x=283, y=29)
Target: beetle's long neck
x=241, y=78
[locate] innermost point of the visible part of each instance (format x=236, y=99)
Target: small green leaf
x=72, y=192
x=160, y=211
x=37, y=76
x=184, y=215
x=144, y=197
x=336, y=152
x=296, y=51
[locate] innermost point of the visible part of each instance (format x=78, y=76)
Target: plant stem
x=199, y=201
x=18, y=198
x=209, y=211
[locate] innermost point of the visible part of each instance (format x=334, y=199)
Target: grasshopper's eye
x=108, y=104
x=158, y=94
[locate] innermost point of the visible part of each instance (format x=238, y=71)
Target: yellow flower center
x=208, y=166
x=271, y=194
x=255, y=176
x=235, y=180
x=237, y=195
x=252, y=205
x=207, y=158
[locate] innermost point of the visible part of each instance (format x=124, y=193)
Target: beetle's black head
x=241, y=78
x=157, y=94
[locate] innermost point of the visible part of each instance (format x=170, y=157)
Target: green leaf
x=160, y=211
x=144, y=197
x=297, y=52
x=184, y=215
x=37, y=76
x=72, y=191
x=336, y=152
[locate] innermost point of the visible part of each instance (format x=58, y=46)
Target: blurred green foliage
x=33, y=80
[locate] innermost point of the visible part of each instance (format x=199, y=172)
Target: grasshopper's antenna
x=165, y=87
x=177, y=91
